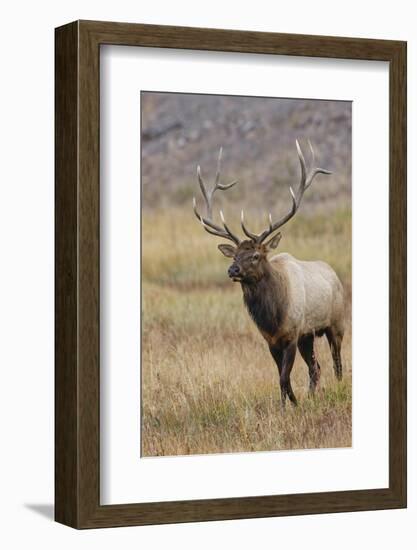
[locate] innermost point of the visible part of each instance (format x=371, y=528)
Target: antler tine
x=217, y=184
x=305, y=182
x=314, y=171
x=207, y=222
x=301, y=189
x=227, y=228
x=204, y=221
x=204, y=191
x=214, y=229
x=246, y=231
x=313, y=155
x=219, y=164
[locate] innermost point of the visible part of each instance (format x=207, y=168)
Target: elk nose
x=233, y=270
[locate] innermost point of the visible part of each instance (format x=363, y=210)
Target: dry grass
x=209, y=384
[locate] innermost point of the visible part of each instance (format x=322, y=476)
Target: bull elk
x=291, y=301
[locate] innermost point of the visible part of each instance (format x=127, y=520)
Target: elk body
x=291, y=301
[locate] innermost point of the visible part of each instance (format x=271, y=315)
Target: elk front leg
x=284, y=358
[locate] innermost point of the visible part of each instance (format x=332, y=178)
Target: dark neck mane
x=266, y=300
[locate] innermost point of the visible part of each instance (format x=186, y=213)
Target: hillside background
x=180, y=131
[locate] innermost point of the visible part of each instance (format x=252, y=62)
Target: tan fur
x=314, y=296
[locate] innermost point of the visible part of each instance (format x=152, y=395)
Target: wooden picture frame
x=77, y=373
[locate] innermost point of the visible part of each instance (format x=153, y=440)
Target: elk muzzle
x=234, y=272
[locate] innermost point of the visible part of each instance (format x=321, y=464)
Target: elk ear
x=227, y=249
x=273, y=243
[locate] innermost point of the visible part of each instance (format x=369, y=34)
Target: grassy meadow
x=209, y=384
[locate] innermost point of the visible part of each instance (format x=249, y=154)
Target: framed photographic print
x=230, y=274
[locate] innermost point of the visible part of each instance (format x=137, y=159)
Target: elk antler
x=207, y=222
x=306, y=181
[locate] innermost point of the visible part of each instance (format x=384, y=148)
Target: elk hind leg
x=306, y=348
x=335, y=342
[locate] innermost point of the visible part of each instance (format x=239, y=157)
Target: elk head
x=250, y=263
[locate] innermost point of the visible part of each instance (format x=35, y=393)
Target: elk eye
x=256, y=256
